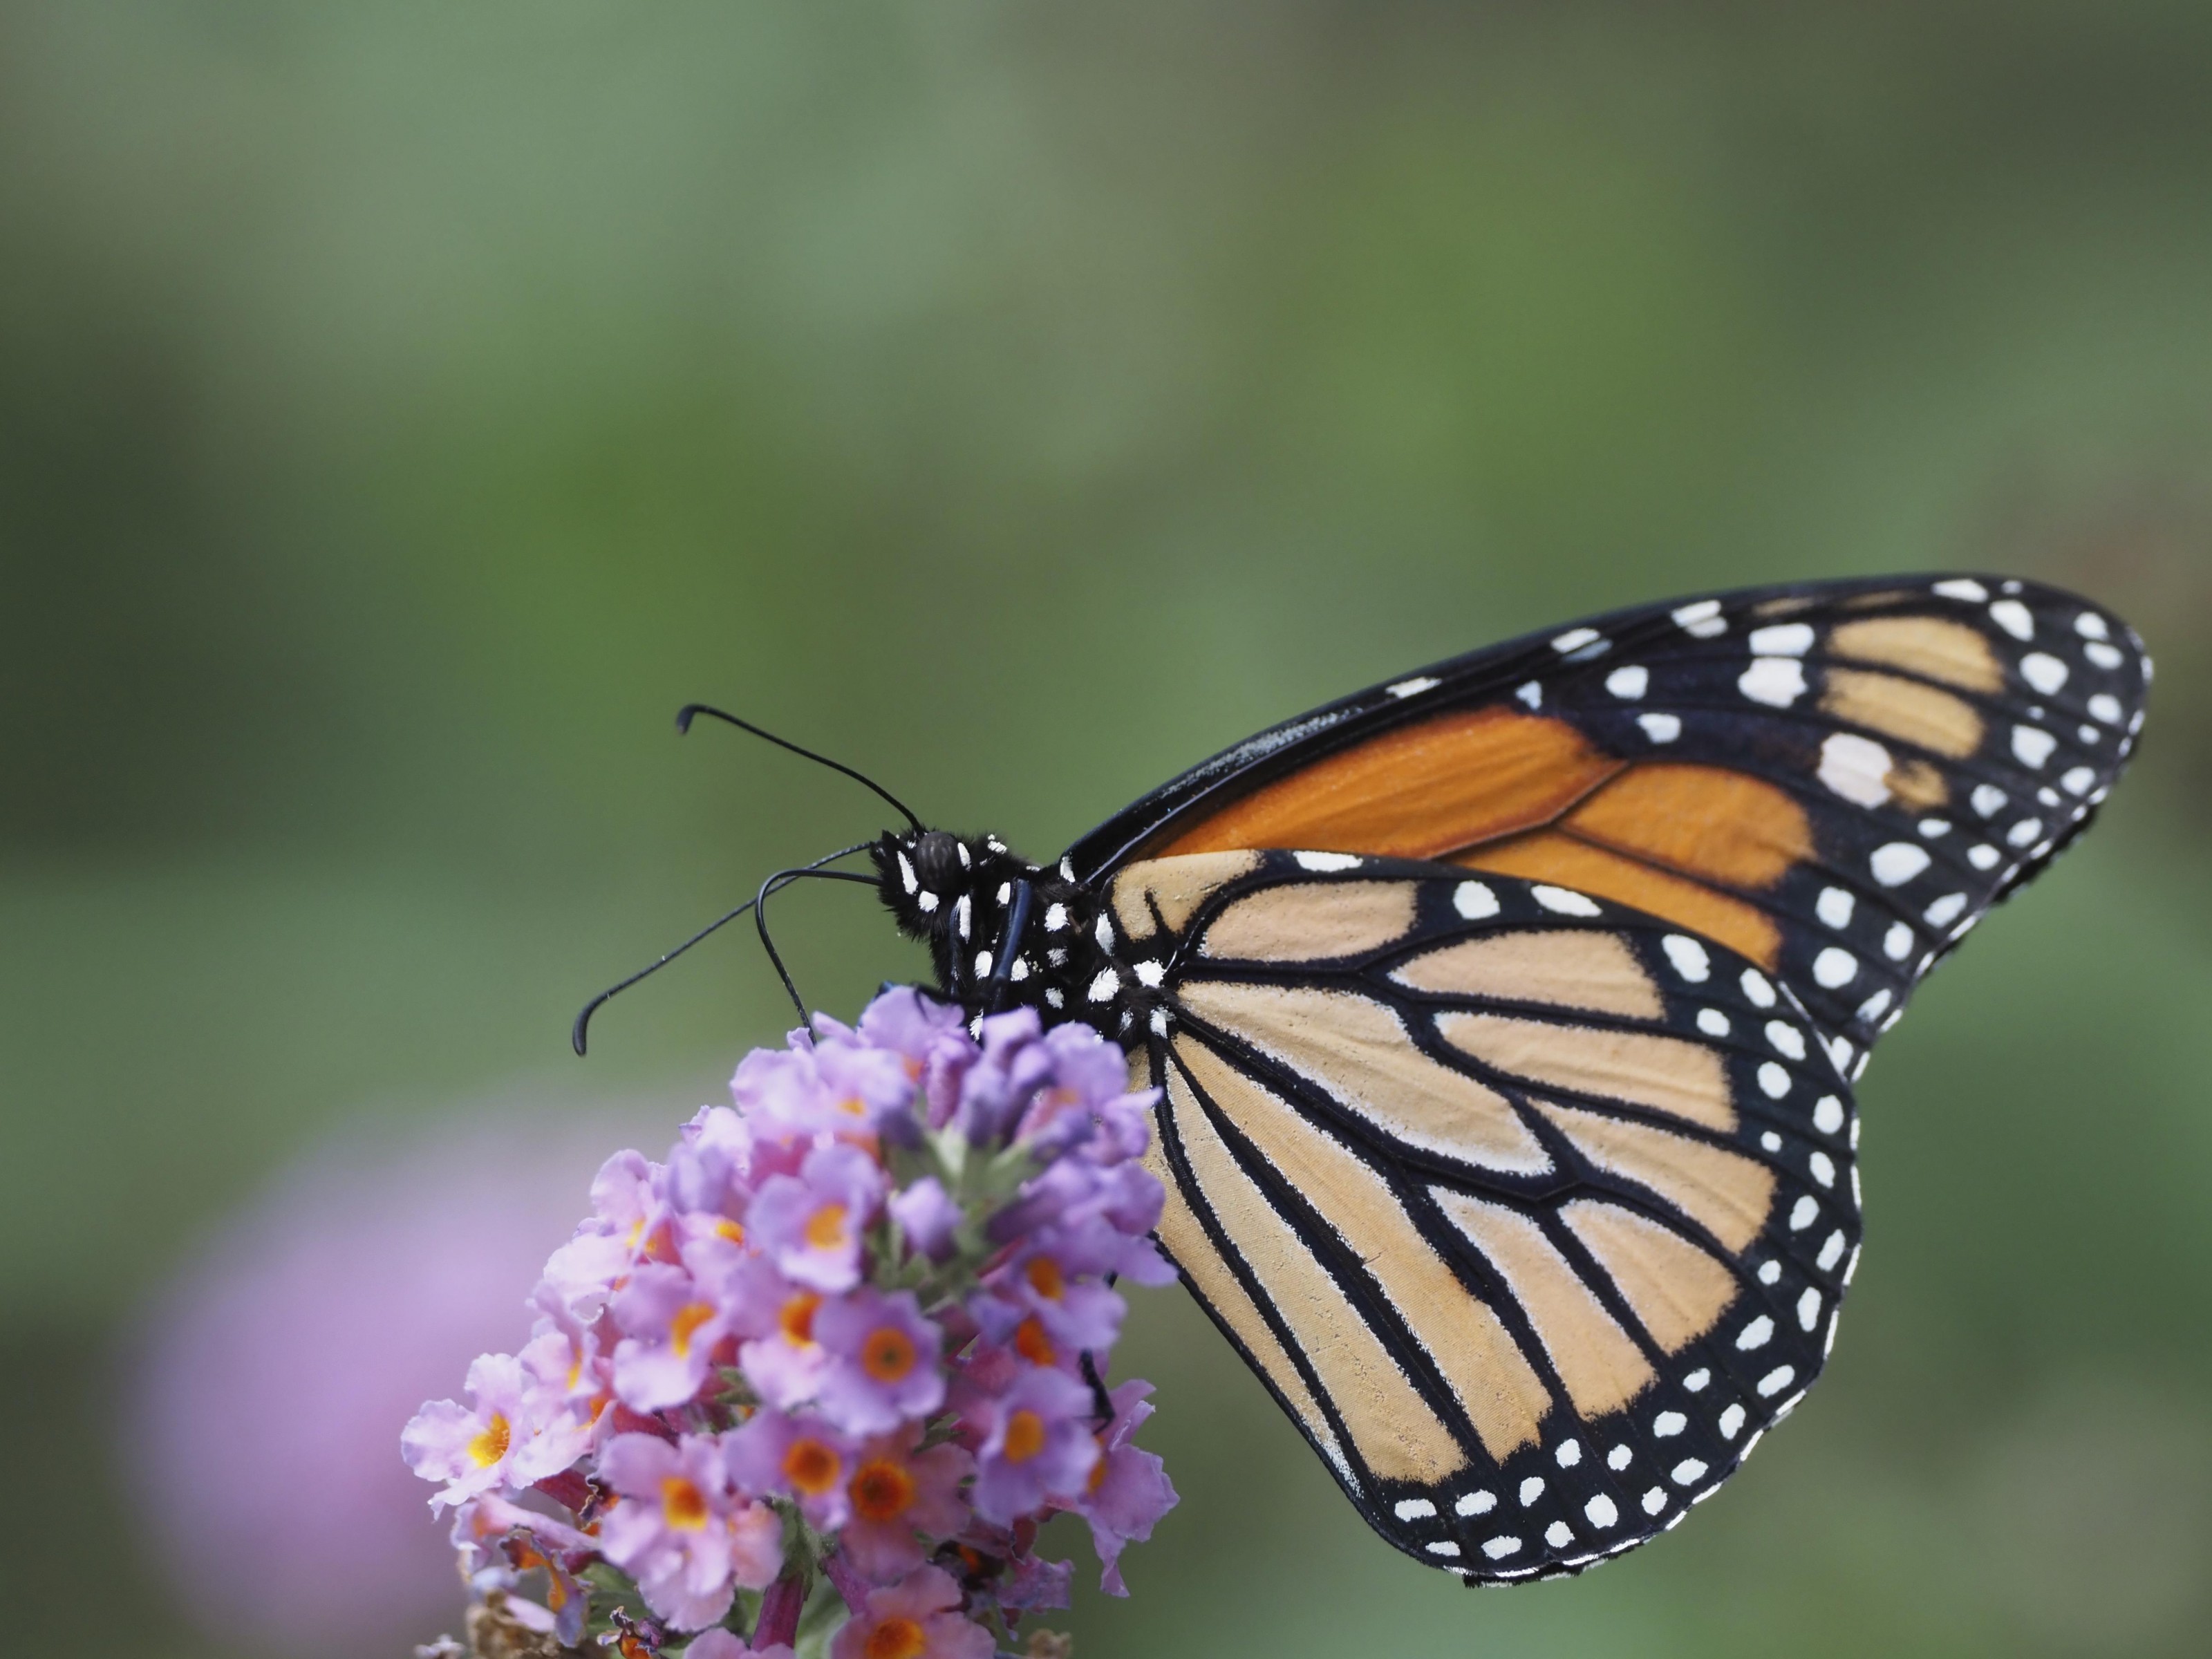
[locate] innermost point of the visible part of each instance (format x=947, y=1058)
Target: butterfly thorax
x=971, y=899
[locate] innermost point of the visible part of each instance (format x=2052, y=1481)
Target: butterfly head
x=981, y=907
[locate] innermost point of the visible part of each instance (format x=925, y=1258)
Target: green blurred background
x=404, y=408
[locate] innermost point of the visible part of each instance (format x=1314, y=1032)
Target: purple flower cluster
x=839, y=1356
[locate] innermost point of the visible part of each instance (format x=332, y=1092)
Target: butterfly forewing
x=1533, y=1210
x=1835, y=780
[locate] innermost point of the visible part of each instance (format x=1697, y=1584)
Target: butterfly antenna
x=581, y=1029
x=691, y=711
x=776, y=884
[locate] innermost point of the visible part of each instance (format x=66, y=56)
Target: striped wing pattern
x=1533, y=1210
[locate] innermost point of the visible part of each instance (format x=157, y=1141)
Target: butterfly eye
x=936, y=861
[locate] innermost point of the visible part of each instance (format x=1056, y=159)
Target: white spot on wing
x=1618, y=1458
x=1474, y=901
x=1444, y=1547
x=1712, y=1022
x=2091, y=626
x=1778, y=681
x=1414, y=687
x=1499, y=1548
x=2106, y=707
x=1630, y=683
x=1103, y=988
x=1531, y=1490
x=1808, y=1310
x=2043, y=671
x=2013, y=617
x=1413, y=1509
x=1532, y=694
x=1326, y=862
x=1775, y=1381
x=1688, y=958
x=1695, y=1381
x=1855, y=767
x=2105, y=656
x=1963, y=588
x=1574, y=640
x=1834, y=906
x=1476, y=1503
x=1834, y=968
x=1828, y=1115
x=1667, y=1424
x=1897, y=943
x=1559, y=1534
x=1804, y=1213
x=1897, y=862
x=2033, y=745
x=1566, y=901
x=1755, y=1335
x=1600, y=1512
x=1756, y=987
x=1783, y=640
x=1701, y=619
x=1786, y=1038
x=1661, y=728
x=1687, y=1471
x=1983, y=857
x=1732, y=1422
x=2080, y=781
x=1988, y=799
x=1773, y=1081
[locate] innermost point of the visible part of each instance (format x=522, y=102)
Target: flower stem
x=779, y=1614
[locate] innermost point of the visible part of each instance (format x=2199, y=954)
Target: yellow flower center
x=488, y=1447
x=825, y=1227
x=683, y=1505
x=1025, y=1436
x=797, y=1318
x=888, y=1354
x=896, y=1638
x=689, y=1318
x=882, y=1491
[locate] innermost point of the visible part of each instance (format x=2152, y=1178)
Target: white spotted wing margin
x=1914, y=747
x=1533, y=1211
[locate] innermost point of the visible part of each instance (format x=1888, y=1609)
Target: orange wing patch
x=1555, y=856
x=1522, y=795
x=1418, y=792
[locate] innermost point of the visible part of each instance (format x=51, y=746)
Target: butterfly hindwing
x=1835, y=780
x=1533, y=1210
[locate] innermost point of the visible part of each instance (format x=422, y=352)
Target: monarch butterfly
x=1506, y=1017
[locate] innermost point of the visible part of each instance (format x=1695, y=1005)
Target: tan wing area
x=1328, y=1093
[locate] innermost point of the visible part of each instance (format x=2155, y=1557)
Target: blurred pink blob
x=278, y=1369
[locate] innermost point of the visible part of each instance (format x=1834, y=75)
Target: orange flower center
x=812, y=1468
x=1025, y=1436
x=683, y=1505
x=825, y=1227
x=1032, y=1344
x=1045, y=1278
x=689, y=1318
x=882, y=1491
x=896, y=1638
x=888, y=1354
x=796, y=1317
x=853, y=1106
x=732, y=1230
x=488, y=1448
